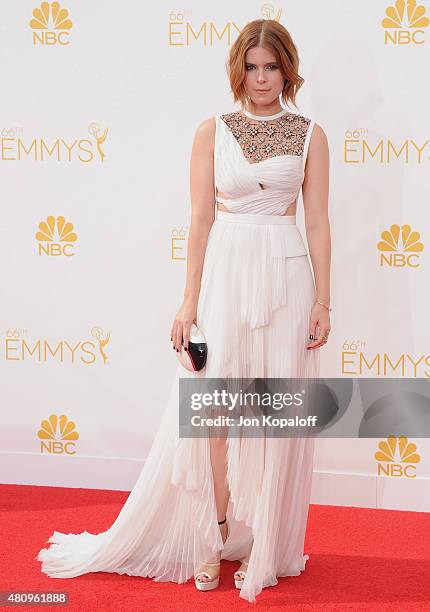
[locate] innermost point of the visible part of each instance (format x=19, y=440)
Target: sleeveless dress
x=257, y=291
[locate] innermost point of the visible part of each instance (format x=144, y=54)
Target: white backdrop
x=99, y=109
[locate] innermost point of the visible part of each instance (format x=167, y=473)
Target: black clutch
x=194, y=359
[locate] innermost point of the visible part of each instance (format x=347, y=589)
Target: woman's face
x=263, y=80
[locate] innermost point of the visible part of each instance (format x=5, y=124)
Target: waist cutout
x=258, y=219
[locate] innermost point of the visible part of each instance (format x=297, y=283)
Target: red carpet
x=360, y=559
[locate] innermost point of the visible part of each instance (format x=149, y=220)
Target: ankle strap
x=222, y=522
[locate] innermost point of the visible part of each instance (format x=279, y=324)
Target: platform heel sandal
x=213, y=581
x=239, y=581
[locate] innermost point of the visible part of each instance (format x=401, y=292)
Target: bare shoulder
x=207, y=126
x=319, y=140
x=205, y=133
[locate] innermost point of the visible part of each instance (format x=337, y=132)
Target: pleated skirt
x=256, y=295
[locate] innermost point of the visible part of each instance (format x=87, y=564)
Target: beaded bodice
x=260, y=139
x=259, y=162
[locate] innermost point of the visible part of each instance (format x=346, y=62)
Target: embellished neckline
x=265, y=117
x=265, y=139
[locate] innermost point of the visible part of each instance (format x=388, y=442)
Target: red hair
x=271, y=35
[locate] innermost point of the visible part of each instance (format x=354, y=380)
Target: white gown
x=257, y=291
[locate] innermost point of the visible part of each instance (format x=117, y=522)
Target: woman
x=251, y=291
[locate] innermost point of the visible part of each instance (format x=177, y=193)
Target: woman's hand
x=320, y=317
x=186, y=316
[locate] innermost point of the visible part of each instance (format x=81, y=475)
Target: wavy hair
x=271, y=35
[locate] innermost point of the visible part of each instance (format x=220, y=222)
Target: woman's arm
x=315, y=202
x=202, y=217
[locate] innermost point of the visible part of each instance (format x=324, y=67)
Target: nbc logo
x=397, y=457
x=47, y=18
x=399, y=247
x=404, y=22
x=56, y=237
x=57, y=435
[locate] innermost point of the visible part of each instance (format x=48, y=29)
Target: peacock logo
x=400, y=246
x=50, y=24
x=57, y=435
x=404, y=22
x=397, y=457
x=56, y=237
x=413, y=17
